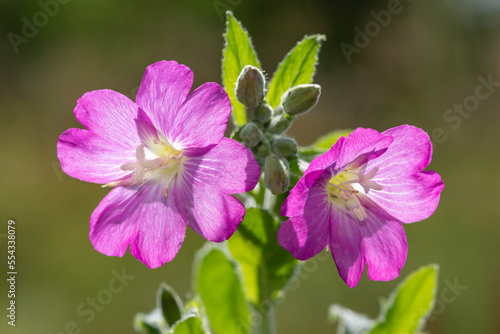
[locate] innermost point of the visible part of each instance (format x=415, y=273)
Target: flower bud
x=300, y=99
x=280, y=124
x=250, y=86
x=276, y=174
x=285, y=146
x=263, y=113
x=263, y=149
x=251, y=135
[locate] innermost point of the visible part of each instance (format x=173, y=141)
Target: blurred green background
x=423, y=62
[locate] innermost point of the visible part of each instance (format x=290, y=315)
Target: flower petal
x=359, y=146
x=229, y=166
x=110, y=115
x=211, y=213
x=411, y=198
x=407, y=194
x=86, y=156
x=409, y=153
x=378, y=241
x=201, y=120
x=164, y=87
x=142, y=217
x=306, y=235
x=345, y=246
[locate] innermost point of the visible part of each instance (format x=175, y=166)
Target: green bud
x=276, y=174
x=279, y=124
x=285, y=146
x=264, y=148
x=251, y=135
x=263, y=113
x=250, y=86
x=300, y=99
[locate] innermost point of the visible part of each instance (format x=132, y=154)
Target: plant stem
x=266, y=305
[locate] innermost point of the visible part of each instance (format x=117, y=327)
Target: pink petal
x=411, y=198
x=379, y=241
x=110, y=115
x=409, y=153
x=359, y=147
x=229, y=166
x=201, y=121
x=306, y=235
x=88, y=157
x=211, y=213
x=164, y=87
x=345, y=246
x=142, y=217
x=407, y=194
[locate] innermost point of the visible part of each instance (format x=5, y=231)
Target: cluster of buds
x=264, y=132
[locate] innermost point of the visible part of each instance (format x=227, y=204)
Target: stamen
x=360, y=213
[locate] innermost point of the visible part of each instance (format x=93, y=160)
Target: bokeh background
x=428, y=58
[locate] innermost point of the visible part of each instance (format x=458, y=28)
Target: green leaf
x=297, y=68
x=350, y=322
x=170, y=304
x=327, y=141
x=410, y=303
x=148, y=323
x=220, y=290
x=190, y=325
x=266, y=266
x=238, y=52
x=322, y=145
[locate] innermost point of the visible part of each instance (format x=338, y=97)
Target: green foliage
x=189, y=325
x=405, y=312
x=326, y=142
x=266, y=266
x=350, y=322
x=151, y=323
x=322, y=145
x=410, y=303
x=218, y=285
x=170, y=304
x=298, y=67
x=237, y=53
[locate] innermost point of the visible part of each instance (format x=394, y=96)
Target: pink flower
x=355, y=197
x=168, y=162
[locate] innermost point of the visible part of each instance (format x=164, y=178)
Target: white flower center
x=158, y=160
x=345, y=187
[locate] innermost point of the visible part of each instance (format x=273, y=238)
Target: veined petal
x=142, y=217
x=213, y=214
x=164, y=87
x=110, y=115
x=409, y=153
x=88, y=157
x=306, y=235
x=345, y=246
x=201, y=121
x=378, y=241
x=359, y=147
x=410, y=199
x=229, y=167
